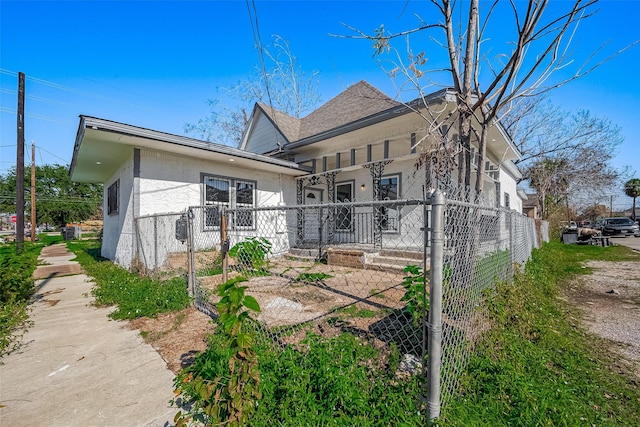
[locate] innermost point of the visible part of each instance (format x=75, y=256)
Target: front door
x=312, y=221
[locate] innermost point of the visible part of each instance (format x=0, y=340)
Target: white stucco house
x=363, y=145
x=146, y=172
x=359, y=146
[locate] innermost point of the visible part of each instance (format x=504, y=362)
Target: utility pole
x=33, y=192
x=611, y=206
x=20, y=168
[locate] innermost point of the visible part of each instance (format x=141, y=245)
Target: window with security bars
x=222, y=192
x=389, y=190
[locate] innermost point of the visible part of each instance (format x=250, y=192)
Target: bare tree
x=539, y=34
x=281, y=83
x=558, y=146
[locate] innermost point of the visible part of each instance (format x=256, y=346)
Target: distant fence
x=340, y=268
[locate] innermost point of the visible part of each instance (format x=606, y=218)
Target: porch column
x=377, y=169
x=330, y=179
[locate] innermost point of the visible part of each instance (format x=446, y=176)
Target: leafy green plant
x=229, y=398
x=339, y=381
x=414, y=284
x=252, y=252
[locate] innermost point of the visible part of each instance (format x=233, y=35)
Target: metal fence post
x=435, y=307
x=224, y=245
x=191, y=271
x=512, y=254
x=155, y=243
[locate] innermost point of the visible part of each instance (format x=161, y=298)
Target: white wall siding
x=117, y=241
x=172, y=183
x=509, y=185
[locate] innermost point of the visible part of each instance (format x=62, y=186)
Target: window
x=113, y=194
x=507, y=202
x=344, y=218
x=244, y=200
x=230, y=193
x=389, y=190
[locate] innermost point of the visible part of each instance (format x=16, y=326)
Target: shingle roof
x=356, y=102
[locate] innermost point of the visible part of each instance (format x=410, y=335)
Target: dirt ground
x=368, y=296
x=609, y=301
x=177, y=336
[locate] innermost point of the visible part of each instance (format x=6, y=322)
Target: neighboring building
x=361, y=145
x=530, y=206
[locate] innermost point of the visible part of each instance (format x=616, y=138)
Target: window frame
x=212, y=206
x=386, y=229
x=113, y=198
x=348, y=212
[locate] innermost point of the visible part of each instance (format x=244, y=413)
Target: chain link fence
x=407, y=274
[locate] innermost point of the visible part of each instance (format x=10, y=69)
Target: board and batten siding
x=264, y=136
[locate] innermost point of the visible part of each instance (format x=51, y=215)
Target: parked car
x=620, y=226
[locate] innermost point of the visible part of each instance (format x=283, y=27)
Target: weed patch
x=16, y=288
x=535, y=366
x=133, y=295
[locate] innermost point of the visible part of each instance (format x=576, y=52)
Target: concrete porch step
x=401, y=253
x=388, y=263
x=307, y=254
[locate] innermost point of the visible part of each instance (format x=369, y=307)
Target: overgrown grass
x=536, y=366
x=16, y=289
x=133, y=295
x=340, y=381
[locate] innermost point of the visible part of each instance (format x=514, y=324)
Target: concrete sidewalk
x=78, y=367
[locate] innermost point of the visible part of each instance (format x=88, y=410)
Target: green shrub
x=13, y=322
x=16, y=283
x=415, y=293
x=252, y=252
x=16, y=289
x=339, y=381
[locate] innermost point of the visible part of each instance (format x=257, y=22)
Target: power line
x=36, y=116
x=49, y=152
x=34, y=97
x=78, y=91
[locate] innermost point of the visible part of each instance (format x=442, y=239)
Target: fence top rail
x=155, y=215
x=402, y=202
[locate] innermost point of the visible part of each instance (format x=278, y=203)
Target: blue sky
x=155, y=63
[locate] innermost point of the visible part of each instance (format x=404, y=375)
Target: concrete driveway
x=629, y=241
x=77, y=367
